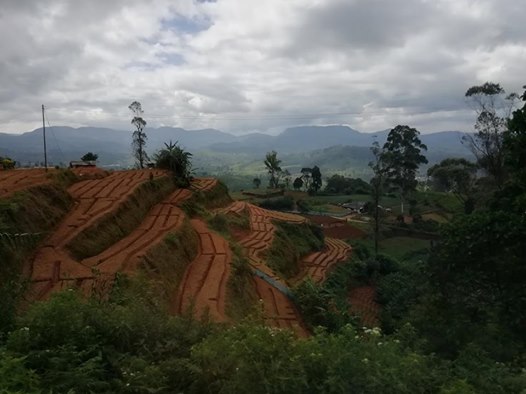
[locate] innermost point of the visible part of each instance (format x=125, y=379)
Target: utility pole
x=44, y=132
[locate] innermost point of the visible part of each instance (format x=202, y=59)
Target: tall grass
x=32, y=212
x=291, y=242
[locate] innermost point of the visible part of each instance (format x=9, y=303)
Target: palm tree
x=273, y=168
x=177, y=160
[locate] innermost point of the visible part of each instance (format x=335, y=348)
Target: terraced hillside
x=203, y=287
x=53, y=267
x=15, y=180
x=75, y=254
x=272, y=290
x=317, y=265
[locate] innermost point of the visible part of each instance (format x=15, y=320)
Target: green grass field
x=398, y=247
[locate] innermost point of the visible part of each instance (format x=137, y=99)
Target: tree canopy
x=175, y=159
x=90, y=156
x=402, y=155
x=273, y=165
x=493, y=109
x=139, y=137
x=457, y=176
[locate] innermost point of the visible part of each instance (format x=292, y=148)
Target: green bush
x=280, y=203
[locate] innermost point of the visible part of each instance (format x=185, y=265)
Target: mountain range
x=216, y=151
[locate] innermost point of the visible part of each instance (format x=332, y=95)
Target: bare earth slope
x=316, y=265
x=203, y=287
x=278, y=309
x=53, y=268
x=12, y=181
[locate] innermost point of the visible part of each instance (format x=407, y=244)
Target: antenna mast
x=44, y=132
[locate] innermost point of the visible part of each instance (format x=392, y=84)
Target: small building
x=82, y=164
x=354, y=206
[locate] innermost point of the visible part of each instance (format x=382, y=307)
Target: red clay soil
x=89, y=172
x=53, y=268
x=204, y=184
x=363, y=304
x=203, y=288
x=278, y=310
x=237, y=207
x=15, y=180
x=126, y=254
x=317, y=265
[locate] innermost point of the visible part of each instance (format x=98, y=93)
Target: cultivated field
x=203, y=288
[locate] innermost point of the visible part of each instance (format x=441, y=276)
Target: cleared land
x=316, y=265
x=53, y=268
x=203, y=288
x=12, y=181
x=363, y=304
x=278, y=310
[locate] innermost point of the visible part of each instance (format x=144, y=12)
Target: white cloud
x=255, y=65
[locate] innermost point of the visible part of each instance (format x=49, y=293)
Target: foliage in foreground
x=131, y=345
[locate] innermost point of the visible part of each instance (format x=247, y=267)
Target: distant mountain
x=113, y=146
x=299, y=139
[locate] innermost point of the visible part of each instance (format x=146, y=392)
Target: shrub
x=280, y=203
x=290, y=243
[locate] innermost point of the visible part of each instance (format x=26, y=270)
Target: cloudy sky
x=255, y=65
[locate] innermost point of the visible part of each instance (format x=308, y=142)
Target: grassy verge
x=64, y=177
x=214, y=198
x=25, y=218
x=229, y=224
x=118, y=224
x=291, y=242
x=200, y=201
x=397, y=247
x=167, y=262
x=241, y=293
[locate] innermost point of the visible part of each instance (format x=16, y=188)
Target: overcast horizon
x=256, y=66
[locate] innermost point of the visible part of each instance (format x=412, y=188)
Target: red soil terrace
x=203, y=288
x=316, y=265
x=53, y=268
x=278, y=309
x=15, y=180
x=363, y=305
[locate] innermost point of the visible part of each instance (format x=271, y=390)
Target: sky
x=255, y=65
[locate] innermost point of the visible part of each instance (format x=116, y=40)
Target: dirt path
x=53, y=268
x=203, y=287
x=15, y=180
x=316, y=265
x=363, y=304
